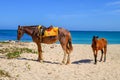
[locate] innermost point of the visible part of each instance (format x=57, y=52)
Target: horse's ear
x=97, y=36
x=93, y=36
x=18, y=26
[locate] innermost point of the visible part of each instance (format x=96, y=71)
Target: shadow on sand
x=2, y=57
x=38, y=61
x=82, y=61
x=75, y=62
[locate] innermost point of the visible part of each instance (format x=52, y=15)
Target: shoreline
x=15, y=41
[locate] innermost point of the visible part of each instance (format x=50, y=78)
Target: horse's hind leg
x=65, y=54
x=64, y=58
x=68, y=59
x=105, y=50
x=101, y=55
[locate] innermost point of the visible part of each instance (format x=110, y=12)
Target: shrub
x=4, y=74
x=13, y=55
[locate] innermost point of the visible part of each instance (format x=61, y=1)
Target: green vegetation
x=4, y=42
x=13, y=55
x=15, y=52
x=4, y=74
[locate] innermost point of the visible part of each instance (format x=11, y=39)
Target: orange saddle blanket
x=51, y=32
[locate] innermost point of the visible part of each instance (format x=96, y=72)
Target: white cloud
x=113, y=8
x=117, y=11
x=113, y=3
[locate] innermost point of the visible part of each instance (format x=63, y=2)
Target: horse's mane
x=30, y=26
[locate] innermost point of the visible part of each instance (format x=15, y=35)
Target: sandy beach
x=82, y=65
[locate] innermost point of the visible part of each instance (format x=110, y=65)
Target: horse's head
x=94, y=39
x=20, y=32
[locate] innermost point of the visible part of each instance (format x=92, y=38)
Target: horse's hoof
x=63, y=62
x=100, y=60
x=67, y=63
x=104, y=61
x=41, y=61
x=38, y=60
x=95, y=63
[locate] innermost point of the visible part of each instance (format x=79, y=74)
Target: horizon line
x=79, y=30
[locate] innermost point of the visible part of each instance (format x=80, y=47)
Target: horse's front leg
x=40, y=56
x=105, y=50
x=94, y=53
x=95, y=56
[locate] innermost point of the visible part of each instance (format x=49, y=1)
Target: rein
x=40, y=30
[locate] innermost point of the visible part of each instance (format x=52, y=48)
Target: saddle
x=47, y=32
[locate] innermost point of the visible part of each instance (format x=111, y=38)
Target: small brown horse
x=99, y=44
x=63, y=36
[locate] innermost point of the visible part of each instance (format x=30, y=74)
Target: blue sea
x=78, y=37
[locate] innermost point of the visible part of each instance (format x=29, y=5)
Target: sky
x=87, y=15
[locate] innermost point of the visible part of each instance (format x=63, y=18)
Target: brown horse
x=99, y=44
x=63, y=36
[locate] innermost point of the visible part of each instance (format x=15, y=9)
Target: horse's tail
x=105, y=45
x=69, y=45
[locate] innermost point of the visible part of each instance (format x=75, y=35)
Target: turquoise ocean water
x=78, y=37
